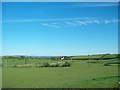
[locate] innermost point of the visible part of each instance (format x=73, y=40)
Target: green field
x=81, y=74
x=96, y=56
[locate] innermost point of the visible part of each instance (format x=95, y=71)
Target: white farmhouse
x=62, y=58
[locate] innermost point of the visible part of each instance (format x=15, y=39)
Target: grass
x=22, y=61
x=97, y=56
x=79, y=75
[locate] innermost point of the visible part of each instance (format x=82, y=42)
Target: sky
x=59, y=28
x=60, y=0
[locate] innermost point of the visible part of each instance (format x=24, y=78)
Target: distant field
x=97, y=56
x=81, y=74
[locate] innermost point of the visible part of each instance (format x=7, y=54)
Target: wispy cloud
x=107, y=21
x=82, y=22
x=111, y=21
x=96, y=21
x=57, y=23
x=42, y=20
x=49, y=25
x=35, y=20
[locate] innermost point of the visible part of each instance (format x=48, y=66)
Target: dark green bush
x=56, y=65
x=15, y=65
x=38, y=65
x=106, y=64
x=66, y=64
x=45, y=64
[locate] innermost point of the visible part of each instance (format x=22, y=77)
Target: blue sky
x=53, y=29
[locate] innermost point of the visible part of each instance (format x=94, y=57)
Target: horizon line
x=61, y=55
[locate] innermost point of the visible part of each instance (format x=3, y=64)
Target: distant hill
x=95, y=57
x=80, y=57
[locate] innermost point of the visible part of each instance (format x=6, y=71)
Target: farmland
x=88, y=73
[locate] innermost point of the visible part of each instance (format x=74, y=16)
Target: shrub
x=53, y=65
x=56, y=65
x=93, y=79
x=46, y=64
x=106, y=64
x=88, y=62
x=39, y=65
x=66, y=64
x=15, y=65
